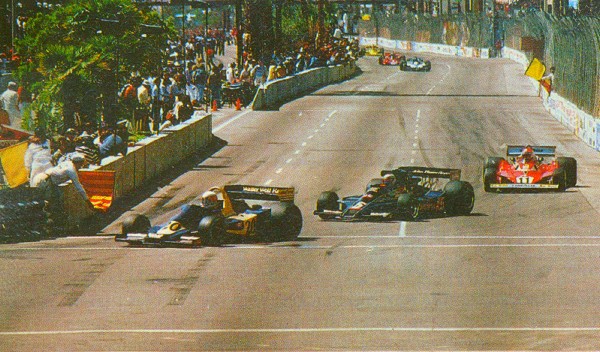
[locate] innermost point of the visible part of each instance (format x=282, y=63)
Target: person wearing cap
x=144, y=94
x=9, y=101
x=48, y=182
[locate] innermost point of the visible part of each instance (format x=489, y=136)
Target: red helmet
x=367, y=197
x=527, y=153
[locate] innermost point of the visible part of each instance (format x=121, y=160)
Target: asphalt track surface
x=520, y=273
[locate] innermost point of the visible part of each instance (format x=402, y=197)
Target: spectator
x=156, y=105
x=183, y=108
x=144, y=100
x=111, y=143
x=199, y=77
x=230, y=74
x=48, y=182
x=38, y=157
x=10, y=103
x=86, y=147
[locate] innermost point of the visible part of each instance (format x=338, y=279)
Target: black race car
x=265, y=213
x=415, y=64
x=416, y=191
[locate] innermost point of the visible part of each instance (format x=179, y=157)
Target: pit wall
x=582, y=124
x=277, y=92
x=145, y=161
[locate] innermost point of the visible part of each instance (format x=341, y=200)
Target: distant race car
x=373, y=50
x=265, y=213
x=415, y=64
x=527, y=169
x=414, y=192
x=391, y=59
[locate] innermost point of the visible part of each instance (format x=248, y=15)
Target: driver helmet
x=527, y=153
x=389, y=179
x=367, y=197
x=209, y=199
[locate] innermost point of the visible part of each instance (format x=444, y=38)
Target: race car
x=413, y=193
x=391, y=59
x=526, y=169
x=415, y=64
x=265, y=213
x=373, y=50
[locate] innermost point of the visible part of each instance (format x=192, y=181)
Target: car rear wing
x=281, y=194
x=540, y=150
x=421, y=171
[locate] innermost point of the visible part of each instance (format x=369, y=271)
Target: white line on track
x=317, y=247
x=223, y=125
x=463, y=237
x=332, y=113
x=297, y=152
x=304, y=144
x=322, y=125
x=289, y=161
x=268, y=182
x=278, y=171
x=303, y=330
x=310, y=137
x=432, y=88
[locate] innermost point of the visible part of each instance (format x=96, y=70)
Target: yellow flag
x=13, y=163
x=536, y=69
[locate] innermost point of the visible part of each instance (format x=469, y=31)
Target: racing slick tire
x=492, y=162
x=402, y=66
x=211, y=230
x=489, y=176
x=428, y=66
x=408, y=206
x=135, y=223
x=460, y=198
x=286, y=222
x=327, y=201
x=560, y=178
x=570, y=167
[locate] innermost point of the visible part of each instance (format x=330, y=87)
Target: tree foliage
x=79, y=54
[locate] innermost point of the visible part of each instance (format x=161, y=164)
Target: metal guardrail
x=571, y=44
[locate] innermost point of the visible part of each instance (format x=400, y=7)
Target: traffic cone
x=214, y=105
x=238, y=104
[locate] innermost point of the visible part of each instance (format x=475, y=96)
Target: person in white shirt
x=38, y=157
x=48, y=182
x=9, y=101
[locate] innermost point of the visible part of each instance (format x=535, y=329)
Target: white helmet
x=389, y=179
x=209, y=199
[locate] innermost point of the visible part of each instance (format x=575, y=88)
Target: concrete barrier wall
x=443, y=49
x=145, y=161
x=275, y=93
x=580, y=123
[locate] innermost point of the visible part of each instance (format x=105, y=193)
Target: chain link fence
x=570, y=44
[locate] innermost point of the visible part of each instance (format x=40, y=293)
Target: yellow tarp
x=536, y=69
x=13, y=163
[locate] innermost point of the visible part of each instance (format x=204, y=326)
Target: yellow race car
x=373, y=50
x=265, y=213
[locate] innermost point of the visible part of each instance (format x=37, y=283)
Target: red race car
x=391, y=59
x=527, y=169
